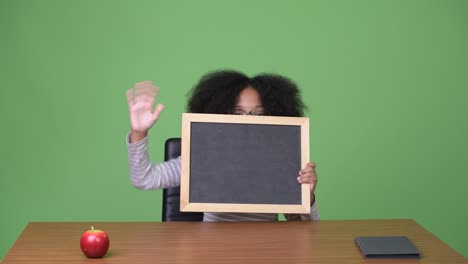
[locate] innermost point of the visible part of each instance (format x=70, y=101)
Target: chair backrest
x=171, y=196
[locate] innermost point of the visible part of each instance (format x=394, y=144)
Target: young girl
x=221, y=92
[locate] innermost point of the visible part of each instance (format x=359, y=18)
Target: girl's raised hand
x=141, y=100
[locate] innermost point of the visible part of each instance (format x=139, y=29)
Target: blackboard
x=243, y=164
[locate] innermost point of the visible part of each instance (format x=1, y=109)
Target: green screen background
x=385, y=81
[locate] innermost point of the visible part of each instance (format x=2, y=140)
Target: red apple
x=94, y=243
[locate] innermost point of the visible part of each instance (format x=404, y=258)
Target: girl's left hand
x=309, y=175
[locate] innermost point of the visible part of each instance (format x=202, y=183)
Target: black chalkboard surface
x=243, y=164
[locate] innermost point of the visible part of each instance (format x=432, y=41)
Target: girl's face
x=248, y=103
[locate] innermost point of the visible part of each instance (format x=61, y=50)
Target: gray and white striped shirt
x=147, y=176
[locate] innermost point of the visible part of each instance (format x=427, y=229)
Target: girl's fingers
x=151, y=91
x=144, y=98
x=309, y=167
x=307, y=170
x=142, y=92
x=309, y=175
x=143, y=84
x=158, y=111
x=129, y=94
x=306, y=175
x=145, y=94
x=310, y=179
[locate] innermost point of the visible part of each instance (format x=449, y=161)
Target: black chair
x=171, y=196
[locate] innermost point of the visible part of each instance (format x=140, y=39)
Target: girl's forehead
x=250, y=97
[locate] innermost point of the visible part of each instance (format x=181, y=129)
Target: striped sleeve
x=146, y=175
x=232, y=217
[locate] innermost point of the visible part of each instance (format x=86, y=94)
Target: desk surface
x=238, y=242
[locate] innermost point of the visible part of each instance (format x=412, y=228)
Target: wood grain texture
x=235, y=242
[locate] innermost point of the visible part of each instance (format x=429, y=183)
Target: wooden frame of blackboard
x=187, y=206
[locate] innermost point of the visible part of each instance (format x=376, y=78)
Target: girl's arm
x=146, y=175
x=143, y=173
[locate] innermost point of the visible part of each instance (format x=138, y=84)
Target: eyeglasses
x=242, y=112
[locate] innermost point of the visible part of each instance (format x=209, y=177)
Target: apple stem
x=92, y=227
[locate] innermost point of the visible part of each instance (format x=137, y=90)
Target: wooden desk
x=247, y=242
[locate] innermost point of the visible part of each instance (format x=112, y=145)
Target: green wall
x=386, y=83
